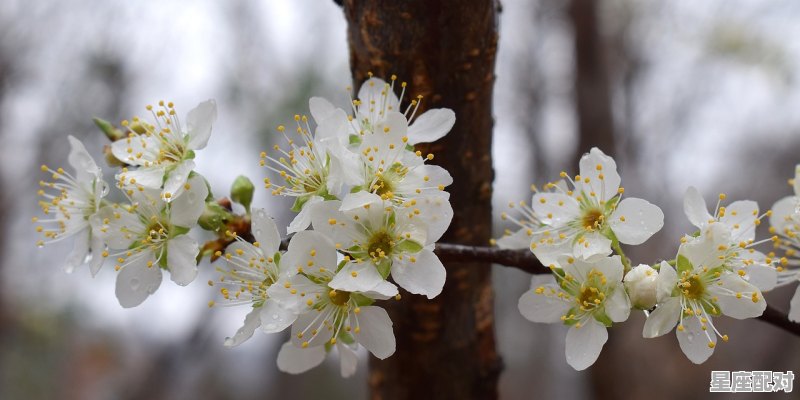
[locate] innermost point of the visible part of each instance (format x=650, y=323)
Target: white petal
x=611, y=267
x=80, y=159
x=294, y=360
x=265, y=231
x=149, y=177
x=609, y=185
x=437, y=213
x=187, y=208
x=307, y=324
x=182, y=259
x=783, y=212
x=198, y=123
x=383, y=291
x=79, y=251
x=641, y=220
x=665, y=282
x=128, y=150
x=176, y=179
x=359, y=199
x=739, y=308
x=251, y=322
x=741, y=217
x=431, y=126
x=594, y=246
x=663, y=319
x=796, y=184
x=618, y=306
x=136, y=281
x=555, y=209
x=584, y=344
x=295, y=302
x=424, y=276
x=303, y=219
x=348, y=360
x=695, y=208
x=97, y=257
x=374, y=90
x=326, y=218
x=356, y=277
x=376, y=333
x=320, y=108
x=694, y=340
x=794, y=306
x=764, y=277
x=519, y=240
x=275, y=318
x=309, y=251
x=545, y=307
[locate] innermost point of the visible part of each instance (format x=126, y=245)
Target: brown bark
x=446, y=51
x=592, y=92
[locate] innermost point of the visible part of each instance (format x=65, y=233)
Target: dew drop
x=275, y=316
x=271, y=326
x=257, y=232
x=135, y=283
x=261, y=213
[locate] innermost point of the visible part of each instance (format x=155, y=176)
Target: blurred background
x=681, y=92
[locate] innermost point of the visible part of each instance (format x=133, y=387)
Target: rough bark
x=446, y=52
x=592, y=93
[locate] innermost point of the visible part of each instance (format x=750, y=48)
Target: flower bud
x=111, y=132
x=640, y=283
x=242, y=191
x=214, y=217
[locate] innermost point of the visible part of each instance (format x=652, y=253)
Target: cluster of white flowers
x=376, y=208
x=574, y=225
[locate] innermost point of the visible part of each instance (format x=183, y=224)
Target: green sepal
x=189, y=155
x=299, y=203
x=409, y=147
x=341, y=265
x=603, y=318
x=409, y=246
x=108, y=129
x=346, y=338
x=571, y=321
x=178, y=230
x=361, y=300
x=214, y=217
x=684, y=265
x=355, y=139
x=277, y=258
x=384, y=268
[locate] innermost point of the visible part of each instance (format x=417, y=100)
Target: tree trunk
x=592, y=93
x=446, y=51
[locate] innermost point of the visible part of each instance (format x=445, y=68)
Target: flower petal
x=182, y=259
x=740, y=216
x=436, y=213
x=584, y=344
x=555, y=209
x=519, y=240
x=356, y=277
x=265, y=231
x=784, y=213
x=79, y=251
x=594, y=164
x=149, y=177
x=136, y=281
x=295, y=360
x=695, y=208
x=594, y=245
x=422, y=273
x=739, y=308
x=375, y=333
x=251, y=322
x=303, y=219
x=611, y=267
x=431, y=126
x=97, y=258
x=348, y=359
x=636, y=220
x=174, y=185
x=309, y=252
x=544, y=307
x=665, y=282
x=694, y=340
x=358, y=200
x=275, y=318
x=187, y=208
x=320, y=108
x=80, y=159
x=663, y=319
x=198, y=124
x=794, y=306
x=618, y=306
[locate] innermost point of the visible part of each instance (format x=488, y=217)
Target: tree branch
x=526, y=261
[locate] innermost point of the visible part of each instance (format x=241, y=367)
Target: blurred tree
x=447, y=52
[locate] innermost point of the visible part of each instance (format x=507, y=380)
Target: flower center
x=382, y=186
x=593, y=219
x=339, y=297
x=380, y=245
x=692, y=287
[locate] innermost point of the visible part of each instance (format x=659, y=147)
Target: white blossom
x=699, y=290
x=164, y=151
x=75, y=200
x=588, y=297
x=150, y=235
x=640, y=282
x=587, y=220
x=785, y=223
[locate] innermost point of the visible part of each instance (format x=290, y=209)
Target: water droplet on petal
x=271, y=326
x=275, y=316
x=257, y=232
x=135, y=284
x=261, y=213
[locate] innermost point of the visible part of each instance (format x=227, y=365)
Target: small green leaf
x=110, y=131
